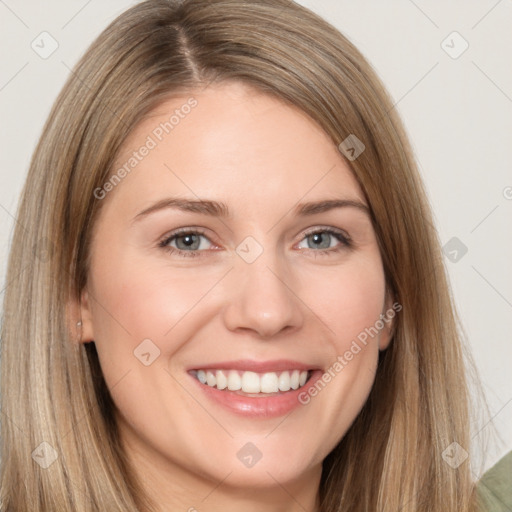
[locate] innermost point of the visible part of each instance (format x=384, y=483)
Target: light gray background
x=458, y=113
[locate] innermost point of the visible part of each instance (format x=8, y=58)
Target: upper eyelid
x=321, y=228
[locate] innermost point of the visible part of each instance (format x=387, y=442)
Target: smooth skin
x=262, y=158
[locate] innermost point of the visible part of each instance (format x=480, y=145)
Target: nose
x=261, y=297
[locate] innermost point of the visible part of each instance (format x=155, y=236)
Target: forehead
x=234, y=143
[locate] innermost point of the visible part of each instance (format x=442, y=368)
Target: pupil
x=187, y=241
x=318, y=238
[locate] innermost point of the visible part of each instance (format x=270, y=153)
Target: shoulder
x=495, y=486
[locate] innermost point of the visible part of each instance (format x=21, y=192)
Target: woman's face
x=267, y=284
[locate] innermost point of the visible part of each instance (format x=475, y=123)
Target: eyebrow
x=219, y=209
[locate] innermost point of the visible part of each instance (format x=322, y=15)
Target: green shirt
x=495, y=486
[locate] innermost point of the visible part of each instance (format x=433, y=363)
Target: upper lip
x=256, y=366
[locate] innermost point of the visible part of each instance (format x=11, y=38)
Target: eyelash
x=346, y=242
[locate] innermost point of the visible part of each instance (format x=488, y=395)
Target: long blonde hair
x=52, y=387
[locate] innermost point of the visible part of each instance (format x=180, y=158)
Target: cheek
x=350, y=300
x=350, y=306
x=136, y=302
x=144, y=302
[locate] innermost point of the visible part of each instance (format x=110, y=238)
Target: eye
x=187, y=242
x=323, y=240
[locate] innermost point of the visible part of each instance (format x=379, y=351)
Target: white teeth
x=211, y=380
x=284, y=381
x=201, y=376
x=222, y=380
x=294, y=379
x=234, y=381
x=251, y=382
x=269, y=383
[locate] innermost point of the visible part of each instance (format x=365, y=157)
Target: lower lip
x=258, y=407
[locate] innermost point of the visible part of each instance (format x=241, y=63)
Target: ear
x=391, y=308
x=79, y=316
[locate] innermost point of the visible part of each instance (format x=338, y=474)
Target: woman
x=237, y=297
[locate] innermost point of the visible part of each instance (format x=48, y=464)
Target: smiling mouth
x=248, y=383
